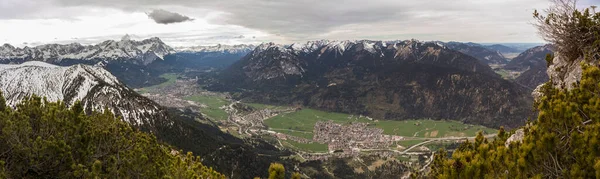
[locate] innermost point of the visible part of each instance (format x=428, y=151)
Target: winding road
x=429, y=140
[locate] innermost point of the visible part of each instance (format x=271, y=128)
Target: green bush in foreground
x=564, y=142
x=41, y=139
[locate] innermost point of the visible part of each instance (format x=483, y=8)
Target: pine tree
x=296, y=175
x=2, y=102
x=276, y=171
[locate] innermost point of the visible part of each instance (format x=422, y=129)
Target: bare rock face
x=564, y=72
x=537, y=93
x=516, y=137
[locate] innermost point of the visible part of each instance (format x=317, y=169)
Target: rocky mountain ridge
x=130, y=51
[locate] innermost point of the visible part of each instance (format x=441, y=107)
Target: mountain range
x=128, y=51
x=126, y=59
x=385, y=80
x=135, y=63
x=406, y=65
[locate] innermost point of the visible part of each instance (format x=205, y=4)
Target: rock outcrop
x=516, y=137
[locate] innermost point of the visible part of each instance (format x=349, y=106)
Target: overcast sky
x=209, y=22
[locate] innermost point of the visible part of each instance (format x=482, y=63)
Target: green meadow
x=214, y=104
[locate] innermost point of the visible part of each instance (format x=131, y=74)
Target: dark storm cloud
x=165, y=17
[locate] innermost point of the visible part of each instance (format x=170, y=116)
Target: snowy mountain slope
x=137, y=52
x=95, y=87
x=289, y=59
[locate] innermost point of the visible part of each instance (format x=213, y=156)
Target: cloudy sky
x=209, y=22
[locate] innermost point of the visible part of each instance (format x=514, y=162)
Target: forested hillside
x=41, y=139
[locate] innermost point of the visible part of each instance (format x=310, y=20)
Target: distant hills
x=502, y=48
x=484, y=54
x=532, y=64
x=205, y=57
x=519, y=47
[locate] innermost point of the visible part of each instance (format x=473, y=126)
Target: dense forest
x=564, y=141
x=42, y=139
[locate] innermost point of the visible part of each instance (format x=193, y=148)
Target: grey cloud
x=301, y=19
x=287, y=17
x=165, y=17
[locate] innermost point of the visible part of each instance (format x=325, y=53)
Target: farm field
x=302, y=122
x=430, y=128
x=213, y=104
x=171, y=78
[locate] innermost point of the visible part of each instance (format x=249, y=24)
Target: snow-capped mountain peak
x=341, y=47
x=127, y=37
